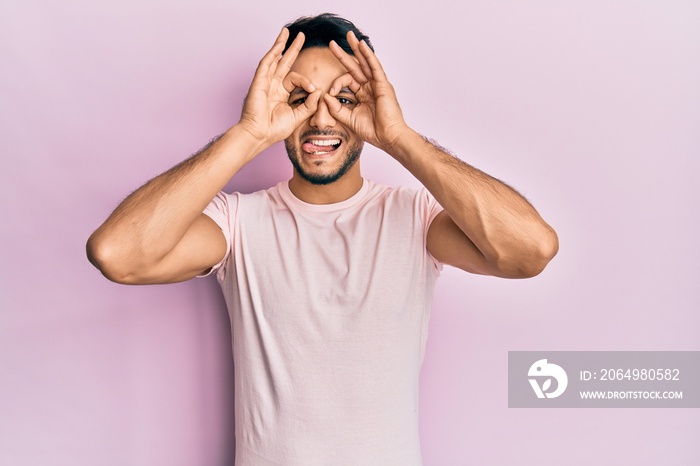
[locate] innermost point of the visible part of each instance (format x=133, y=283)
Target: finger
x=269, y=61
x=294, y=80
x=337, y=111
x=355, y=46
x=373, y=62
x=342, y=81
x=287, y=60
x=349, y=62
x=309, y=107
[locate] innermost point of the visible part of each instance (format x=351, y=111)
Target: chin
x=319, y=174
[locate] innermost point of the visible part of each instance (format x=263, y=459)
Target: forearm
x=502, y=224
x=150, y=222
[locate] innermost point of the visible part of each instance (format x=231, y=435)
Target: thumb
x=337, y=111
x=309, y=107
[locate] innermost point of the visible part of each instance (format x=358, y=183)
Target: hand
x=377, y=117
x=267, y=115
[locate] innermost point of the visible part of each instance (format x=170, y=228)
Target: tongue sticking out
x=313, y=148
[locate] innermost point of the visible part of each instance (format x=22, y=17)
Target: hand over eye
x=268, y=114
x=375, y=114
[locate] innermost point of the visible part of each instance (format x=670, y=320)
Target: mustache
x=316, y=132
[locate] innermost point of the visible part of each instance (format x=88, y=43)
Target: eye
x=297, y=102
x=345, y=101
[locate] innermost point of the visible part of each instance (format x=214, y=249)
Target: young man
x=328, y=277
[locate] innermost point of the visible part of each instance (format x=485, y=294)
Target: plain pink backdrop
x=591, y=109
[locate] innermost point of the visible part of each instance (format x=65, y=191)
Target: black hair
x=320, y=30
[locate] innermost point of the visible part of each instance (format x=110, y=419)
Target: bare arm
x=487, y=227
x=158, y=234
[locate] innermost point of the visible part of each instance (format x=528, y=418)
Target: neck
x=340, y=190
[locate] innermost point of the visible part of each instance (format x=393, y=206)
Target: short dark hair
x=320, y=30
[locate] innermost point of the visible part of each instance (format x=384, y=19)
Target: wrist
x=248, y=143
x=403, y=144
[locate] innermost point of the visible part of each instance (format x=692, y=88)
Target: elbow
x=532, y=259
x=542, y=252
x=96, y=251
x=105, y=256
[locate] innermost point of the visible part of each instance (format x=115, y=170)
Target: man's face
x=322, y=149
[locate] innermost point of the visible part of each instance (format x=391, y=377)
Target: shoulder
x=269, y=195
x=401, y=196
x=385, y=193
x=226, y=209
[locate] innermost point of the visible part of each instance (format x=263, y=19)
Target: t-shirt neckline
x=297, y=203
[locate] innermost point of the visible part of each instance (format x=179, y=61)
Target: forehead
x=318, y=64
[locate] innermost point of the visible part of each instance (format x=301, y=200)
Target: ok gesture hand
x=267, y=115
x=377, y=118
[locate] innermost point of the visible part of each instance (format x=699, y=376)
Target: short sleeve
x=429, y=209
x=219, y=210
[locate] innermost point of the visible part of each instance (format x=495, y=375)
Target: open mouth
x=314, y=146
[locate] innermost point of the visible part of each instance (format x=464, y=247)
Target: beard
x=352, y=153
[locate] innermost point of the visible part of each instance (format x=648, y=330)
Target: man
x=328, y=277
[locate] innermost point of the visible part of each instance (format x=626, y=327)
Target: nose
x=322, y=119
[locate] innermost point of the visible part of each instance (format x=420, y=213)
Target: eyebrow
x=297, y=90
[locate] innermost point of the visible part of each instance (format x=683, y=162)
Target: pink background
x=591, y=109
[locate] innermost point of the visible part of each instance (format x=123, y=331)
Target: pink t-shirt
x=329, y=308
